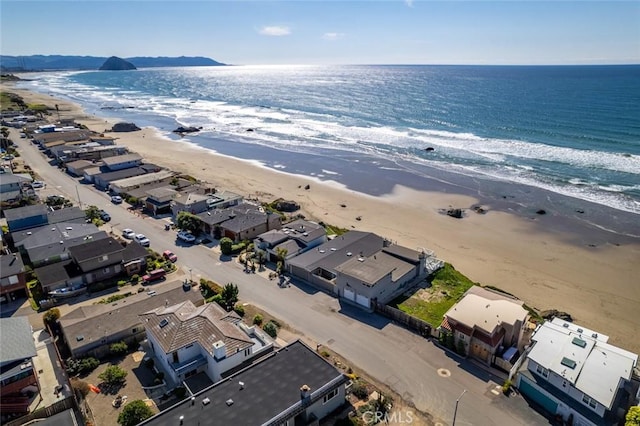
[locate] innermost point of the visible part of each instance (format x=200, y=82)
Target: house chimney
x=219, y=350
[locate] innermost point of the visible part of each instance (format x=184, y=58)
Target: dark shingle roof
x=17, y=339
x=133, y=251
x=25, y=212
x=335, y=252
x=271, y=386
x=190, y=324
x=57, y=272
x=68, y=214
x=96, y=248
x=10, y=264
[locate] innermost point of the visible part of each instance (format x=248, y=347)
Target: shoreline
x=545, y=261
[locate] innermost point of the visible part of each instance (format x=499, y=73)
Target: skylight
x=164, y=323
x=567, y=362
x=579, y=342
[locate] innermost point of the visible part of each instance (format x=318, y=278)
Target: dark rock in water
x=580, y=211
x=125, y=127
x=343, y=205
x=429, y=149
x=286, y=206
x=249, y=130
x=457, y=213
x=307, y=187
x=182, y=129
x=541, y=211
x=116, y=64
x=359, y=218
x=479, y=209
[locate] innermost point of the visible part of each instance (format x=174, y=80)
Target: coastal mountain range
x=62, y=62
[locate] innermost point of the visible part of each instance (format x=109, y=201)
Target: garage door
x=349, y=295
x=362, y=300
x=538, y=397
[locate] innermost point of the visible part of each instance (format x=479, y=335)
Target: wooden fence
x=44, y=412
x=417, y=325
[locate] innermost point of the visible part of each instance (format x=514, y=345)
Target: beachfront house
x=318, y=266
x=572, y=372
x=191, y=202
x=90, y=330
x=103, y=180
x=12, y=277
x=186, y=340
x=379, y=277
x=18, y=378
x=120, y=162
x=42, y=139
x=158, y=200
x=487, y=324
x=295, y=237
x=239, y=223
x=292, y=386
x=125, y=186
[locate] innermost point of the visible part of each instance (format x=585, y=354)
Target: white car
x=142, y=240
x=128, y=233
x=116, y=199
x=36, y=184
x=185, y=236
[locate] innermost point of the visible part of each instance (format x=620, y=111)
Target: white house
x=573, y=372
x=187, y=340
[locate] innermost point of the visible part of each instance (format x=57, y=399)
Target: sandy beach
x=538, y=261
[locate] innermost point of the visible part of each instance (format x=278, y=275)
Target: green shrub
x=113, y=374
x=325, y=354
x=81, y=366
x=122, y=283
x=50, y=317
x=239, y=309
x=118, y=348
x=257, y=319
x=271, y=329
x=359, y=390
x=135, y=278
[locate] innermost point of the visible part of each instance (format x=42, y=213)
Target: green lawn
x=447, y=287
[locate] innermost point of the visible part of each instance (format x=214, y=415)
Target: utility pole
x=455, y=411
x=78, y=194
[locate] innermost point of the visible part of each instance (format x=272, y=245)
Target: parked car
x=36, y=184
x=128, y=233
x=142, y=240
x=169, y=255
x=155, y=275
x=8, y=157
x=186, y=236
x=105, y=216
x=116, y=199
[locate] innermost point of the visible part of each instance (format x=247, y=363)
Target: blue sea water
x=572, y=131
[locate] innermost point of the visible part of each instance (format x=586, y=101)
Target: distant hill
x=117, y=64
x=61, y=62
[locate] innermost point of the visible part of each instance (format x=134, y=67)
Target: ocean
x=521, y=138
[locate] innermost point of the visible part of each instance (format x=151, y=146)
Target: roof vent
x=567, y=362
x=229, y=402
x=349, y=253
x=164, y=323
x=68, y=228
x=565, y=325
x=579, y=342
x=580, y=330
x=306, y=234
x=206, y=401
x=79, y=338
x=241, y=384
x=361, y=259
x=594, y=335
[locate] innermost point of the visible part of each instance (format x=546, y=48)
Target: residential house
x=318, y=266
x=124, y=186
x=292, y=386
x=295, y=237
x=120, y=162
x=27, y=217
x=76, y=168
x=223, y=200
x=13, y=281
x=103, y=180
x=90, y=330
x=11, y=186
x=18, y=378
x=379, y=277
x=69, y=136
x=51, y=243
x=191, y=202
x=486, y=323
x=574, y=373
x=158, y=200
x=239, y=223
x=186, y=340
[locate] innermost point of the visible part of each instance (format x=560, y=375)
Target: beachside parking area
x=104, y=413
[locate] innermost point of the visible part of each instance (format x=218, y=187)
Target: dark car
x=105, y=216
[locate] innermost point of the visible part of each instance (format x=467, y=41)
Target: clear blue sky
x=329, y=32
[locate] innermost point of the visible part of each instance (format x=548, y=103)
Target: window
x=135, y=330
x=542, y=371
x=589, y=401
x=105, y=271
x=330, y=396
x=247, y=352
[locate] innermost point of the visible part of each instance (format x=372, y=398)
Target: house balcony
x=192, y=364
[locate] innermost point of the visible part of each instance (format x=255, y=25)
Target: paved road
x=413, y=367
